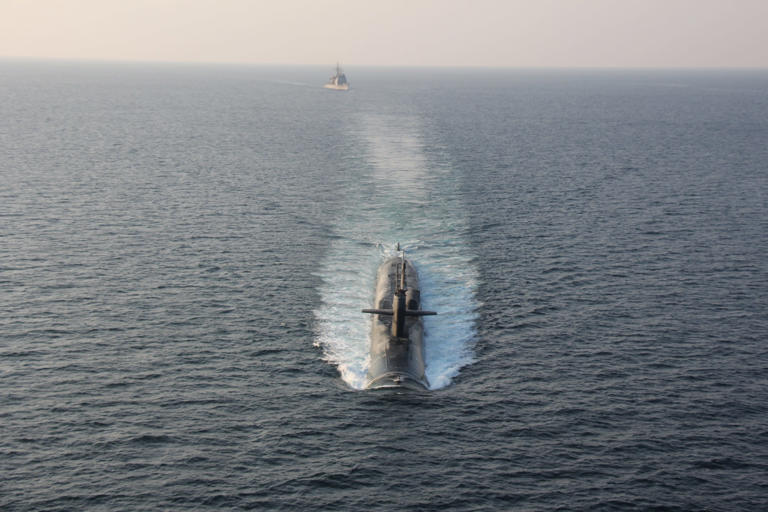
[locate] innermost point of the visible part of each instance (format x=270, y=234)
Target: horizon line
x=86, y=60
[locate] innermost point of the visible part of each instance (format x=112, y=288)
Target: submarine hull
x=396, y=361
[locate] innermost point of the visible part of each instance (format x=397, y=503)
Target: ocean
x=185, y=250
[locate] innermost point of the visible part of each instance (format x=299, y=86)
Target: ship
x=397, y=332
x=338, y=82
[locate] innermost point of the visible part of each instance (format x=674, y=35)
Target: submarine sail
x=397, y=330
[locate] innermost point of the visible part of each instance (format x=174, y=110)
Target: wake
x=399, y=196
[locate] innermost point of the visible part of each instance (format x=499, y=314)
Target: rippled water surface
x=184, y=252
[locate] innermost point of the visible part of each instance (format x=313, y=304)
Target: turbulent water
x=185, y=250
x=398, y=196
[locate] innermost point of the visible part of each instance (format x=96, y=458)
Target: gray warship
x=338, y=81
x=397, y=331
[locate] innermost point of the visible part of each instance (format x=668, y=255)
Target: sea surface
x=185, y=250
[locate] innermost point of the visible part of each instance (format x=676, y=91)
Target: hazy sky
x=559, y=33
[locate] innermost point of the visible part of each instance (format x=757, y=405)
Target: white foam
x=403, y=181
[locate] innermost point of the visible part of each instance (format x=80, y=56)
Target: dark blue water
x=184, y=251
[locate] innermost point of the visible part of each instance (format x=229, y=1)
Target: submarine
x=397, y=330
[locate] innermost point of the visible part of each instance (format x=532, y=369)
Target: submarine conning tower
x=400, y=309
x=397, y=345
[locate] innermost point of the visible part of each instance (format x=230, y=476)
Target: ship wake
x=402, y=194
